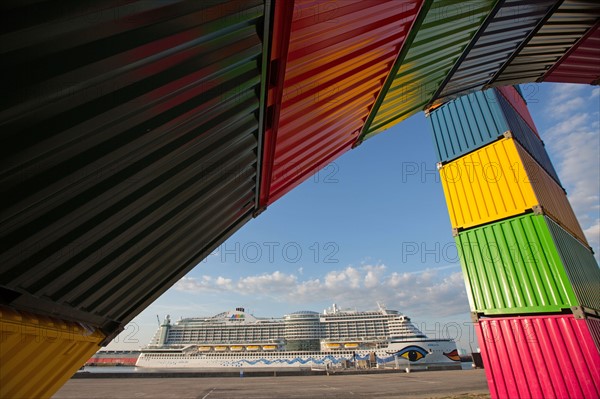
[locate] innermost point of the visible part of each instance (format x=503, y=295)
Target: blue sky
x=373, y=226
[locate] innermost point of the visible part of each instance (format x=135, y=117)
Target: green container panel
x=441, y=33
x=524, y=265
x=581, y=266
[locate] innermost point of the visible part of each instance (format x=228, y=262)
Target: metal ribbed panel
x=550, y=196
x=539, y=357
x=567, y=25
x=440, y=37
x=515, y=98
x=487, y=185
x=472, y=121
x=130, y=155
x=527, y=138
x=594, y=326
x=581, y=64
x=521, y=266
x=513, y=267
x=466, y=124
x=336, y=63
x=501, y=36
x=39, y=354
x=580, y=265
x=499, y=181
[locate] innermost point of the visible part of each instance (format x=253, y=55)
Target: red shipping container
x=581, y=64
x=539, y=357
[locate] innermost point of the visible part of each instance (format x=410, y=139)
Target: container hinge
x=439, y=165
x=474, y=317
x=259, y=211
x=591, y=312
x=578, y=312
x=508, y=134
x=455, y=232
x=537, y=209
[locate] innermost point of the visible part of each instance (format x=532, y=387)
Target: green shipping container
x=527, y=264
x=440, y=35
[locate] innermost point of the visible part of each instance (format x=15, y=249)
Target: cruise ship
x=304, y=339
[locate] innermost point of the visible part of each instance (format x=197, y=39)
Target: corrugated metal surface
x=518, y=89
x=514, y=266
x=502, y=34
x=550, y=196
x=472, y=121
x=499, y=181
x=39, y=354
x=514, y=96
x=527, y=138
x=466, y=124
x=580, y=265
x=581, y=64
x=594, y=327
x=486, y=185
x=336, y=63
x=130, y=155
x=568, y=24
x=440, y=38
x=539, y=357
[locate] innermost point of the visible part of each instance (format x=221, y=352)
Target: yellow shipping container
x=502, y=180
x=39, y=354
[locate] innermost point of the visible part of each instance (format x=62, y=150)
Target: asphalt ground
x=426, y=384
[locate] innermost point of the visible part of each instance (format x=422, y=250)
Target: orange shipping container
x=324, y=80
x=499, y=181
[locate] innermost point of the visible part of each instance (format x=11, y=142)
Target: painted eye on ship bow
x=412, y=353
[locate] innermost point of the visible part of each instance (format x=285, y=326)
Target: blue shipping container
x=478, y=119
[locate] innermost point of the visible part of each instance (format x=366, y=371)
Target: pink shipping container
x=539, y=357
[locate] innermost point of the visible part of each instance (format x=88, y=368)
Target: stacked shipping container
x=531, y=279
x=328, y=65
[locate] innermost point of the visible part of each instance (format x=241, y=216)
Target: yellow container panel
x=499, y=181
x=551, y=196
x=39, y=354
x=485, y=185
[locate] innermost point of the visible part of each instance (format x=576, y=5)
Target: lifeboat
x=333, y=345
x=252, y=347
x=204, y=348
x=351, y=345
x=270, y=347
x=236, y=348
x=220, y=348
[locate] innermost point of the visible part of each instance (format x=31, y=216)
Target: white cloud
x=566, y=99
x=427, y=293
x=574, y=143
x=273, y=283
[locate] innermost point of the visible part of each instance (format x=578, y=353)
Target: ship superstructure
x=305, y=338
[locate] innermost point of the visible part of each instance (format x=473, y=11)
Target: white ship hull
x=418, y=352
